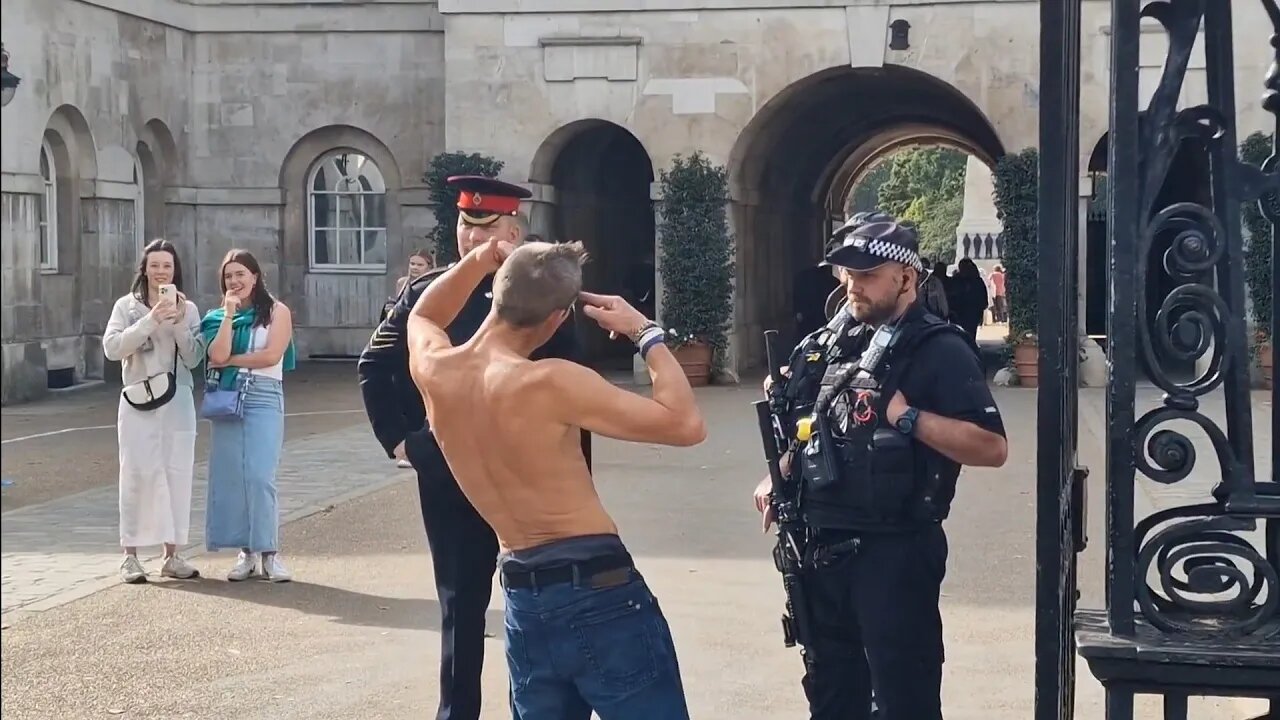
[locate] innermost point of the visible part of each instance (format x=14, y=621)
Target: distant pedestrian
x=1000, y=300
x=154, y=333
x=420, y=261
x=250, y=342
x=968, y=296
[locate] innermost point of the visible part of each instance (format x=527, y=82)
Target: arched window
x=347, y=213
x=139, y=204
x=48, y=211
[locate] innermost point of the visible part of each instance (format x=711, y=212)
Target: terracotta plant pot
x=1026, y=361
x=1265, y=361
x=695, y=360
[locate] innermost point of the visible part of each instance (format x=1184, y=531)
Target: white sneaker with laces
x=176, y=567
x=244, y=567
x=131, y=571
x=273, y=567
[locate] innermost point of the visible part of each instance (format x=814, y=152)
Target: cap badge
x=860, y=243
x=476, y=199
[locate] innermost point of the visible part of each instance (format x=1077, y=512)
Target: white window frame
x=348, y=267
x=47, y=239
x=139, y=205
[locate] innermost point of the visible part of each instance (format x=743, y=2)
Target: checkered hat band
x=894, y=252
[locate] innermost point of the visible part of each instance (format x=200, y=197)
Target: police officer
x=895, y=402
x=464, y=549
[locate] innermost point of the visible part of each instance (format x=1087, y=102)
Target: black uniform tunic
x=464, y=549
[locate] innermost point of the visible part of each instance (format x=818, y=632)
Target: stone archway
x=1187, y=180
x=806, y=146
x=601, y=177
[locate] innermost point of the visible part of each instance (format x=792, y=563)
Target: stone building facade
x=300, y=130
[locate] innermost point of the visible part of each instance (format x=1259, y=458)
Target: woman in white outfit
x=154, y=332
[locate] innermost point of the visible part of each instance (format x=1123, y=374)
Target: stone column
x=639, y=371
x=1093, y=361
x=979, y=217
x=541, y=209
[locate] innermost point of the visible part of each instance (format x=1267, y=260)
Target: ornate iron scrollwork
x=1207, y=576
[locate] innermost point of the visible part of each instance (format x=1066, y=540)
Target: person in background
x=968, y=297
x=419, y=263
x=1001, y=302
x=933, y=293
x=250, y=341
x=154, y=333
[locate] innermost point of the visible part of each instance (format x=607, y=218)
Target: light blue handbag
x=220, y=403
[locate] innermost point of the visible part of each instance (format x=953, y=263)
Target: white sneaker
x=244, y=567
x=404, y=464
x=176, y=567
x=273, y=567
x=131, y=571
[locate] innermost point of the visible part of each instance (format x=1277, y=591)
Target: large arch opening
x=601, y=176
x=798, y=160
x=1187, y=180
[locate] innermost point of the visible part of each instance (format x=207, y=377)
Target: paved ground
x=356, y=636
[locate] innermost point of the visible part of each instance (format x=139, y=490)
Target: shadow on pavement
x=346, y=607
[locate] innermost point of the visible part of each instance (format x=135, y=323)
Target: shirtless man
x=583, y=630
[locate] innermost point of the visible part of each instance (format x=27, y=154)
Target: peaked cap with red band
x=482, y=200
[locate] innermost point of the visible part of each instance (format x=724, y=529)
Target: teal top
x=241, y=333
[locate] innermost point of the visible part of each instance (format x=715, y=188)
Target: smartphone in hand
x=169, y=293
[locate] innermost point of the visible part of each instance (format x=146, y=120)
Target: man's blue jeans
x=572, y=648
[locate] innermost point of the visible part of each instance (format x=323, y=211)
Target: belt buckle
x=611, y=578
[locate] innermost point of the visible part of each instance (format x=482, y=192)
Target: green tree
x=926, y=172
x=445, y=198
x=923, y=186
x=937, y=225
x=696, y=252
x=1017, y=205
x=866, y=194
x=1254, y=150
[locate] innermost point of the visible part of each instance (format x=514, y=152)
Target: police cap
x=855, y=221
x=872, y=244
x=482, y=200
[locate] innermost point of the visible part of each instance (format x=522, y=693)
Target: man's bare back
x=519, y=465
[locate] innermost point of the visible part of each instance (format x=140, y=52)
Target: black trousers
x=878, y=629
x=464, y=553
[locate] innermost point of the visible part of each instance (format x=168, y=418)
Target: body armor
x=858, y=473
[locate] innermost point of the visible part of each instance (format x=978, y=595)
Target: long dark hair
x=139, y=286
x=260, y=299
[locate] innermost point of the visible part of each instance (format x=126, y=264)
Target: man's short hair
x=536, y=280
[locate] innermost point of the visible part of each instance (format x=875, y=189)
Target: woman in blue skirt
x=250, y=340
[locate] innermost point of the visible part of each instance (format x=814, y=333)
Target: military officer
x=464, y=549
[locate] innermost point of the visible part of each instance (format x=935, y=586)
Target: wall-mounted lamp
x=898, y=35
x=8, y=81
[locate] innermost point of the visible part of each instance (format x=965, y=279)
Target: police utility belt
x=857, y=472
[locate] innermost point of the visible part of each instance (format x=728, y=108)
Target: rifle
x=788, y=553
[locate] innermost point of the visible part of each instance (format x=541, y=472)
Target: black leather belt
x=603, y=571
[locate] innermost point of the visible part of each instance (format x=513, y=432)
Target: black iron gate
x=1060, y=487
x=1192, y=592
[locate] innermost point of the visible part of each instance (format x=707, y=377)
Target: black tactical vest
x=858, y=472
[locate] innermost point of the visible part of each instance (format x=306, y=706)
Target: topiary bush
x=696, y=252
x=1017, y=206
x=1257, y=255
x=444, y=234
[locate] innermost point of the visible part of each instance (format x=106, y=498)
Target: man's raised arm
x=586, y=400
x=440, y=303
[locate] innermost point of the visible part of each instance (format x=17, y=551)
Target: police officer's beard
x=883, y=311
